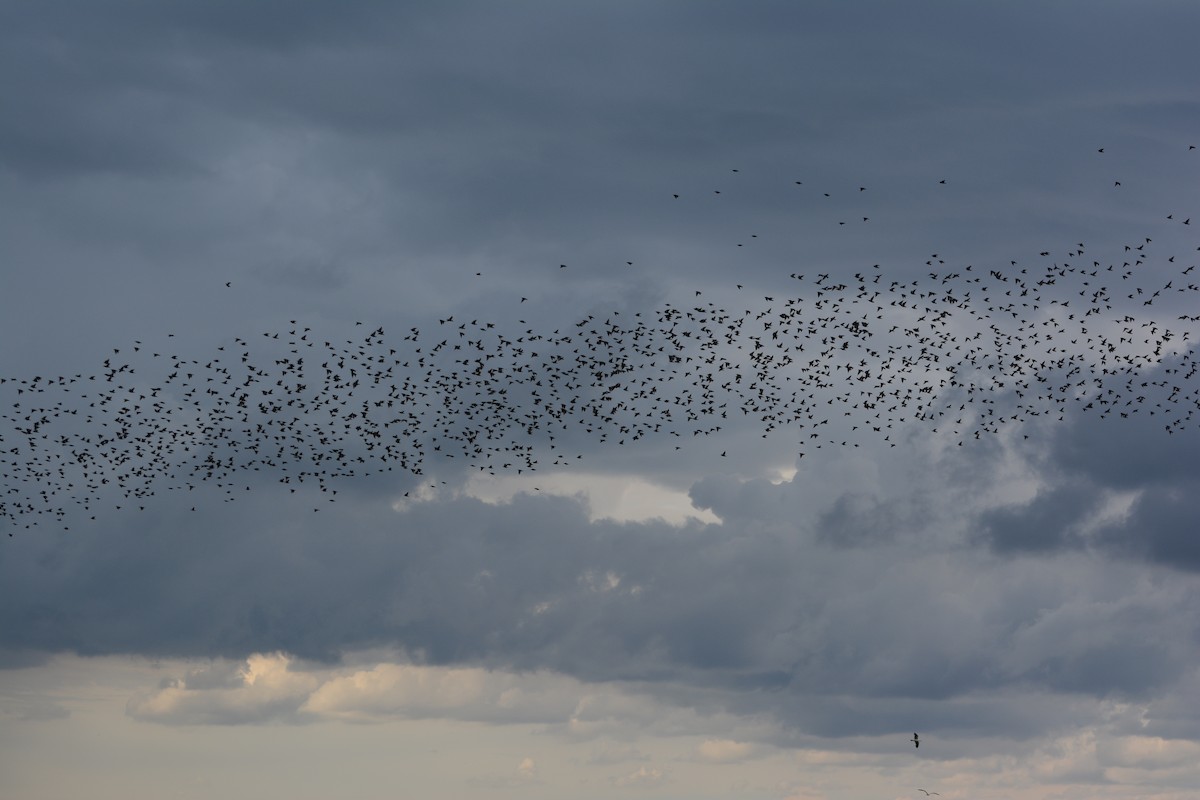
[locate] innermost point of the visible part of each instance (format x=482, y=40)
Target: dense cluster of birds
x=966, y=349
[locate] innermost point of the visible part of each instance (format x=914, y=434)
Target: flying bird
x=965, y=350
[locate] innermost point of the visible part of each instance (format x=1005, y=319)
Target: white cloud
x=265, y=688
x=622, y=498
x=1148, y=752
x=275, y=687
x=527, y=769
x=723, y=751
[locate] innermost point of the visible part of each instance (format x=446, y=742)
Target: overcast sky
x=676, y=617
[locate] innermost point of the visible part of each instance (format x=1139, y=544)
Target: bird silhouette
x=843, y=357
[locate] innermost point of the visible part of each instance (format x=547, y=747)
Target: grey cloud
x=443, y=84
x=357, y=161
x=1135, y=441
x=217, y=675
x=1169, y=715
x=1128, y=453
x=1162, y=526
x=32, y=708
x=306, y=274
x=755, y=604
x=22, y=658
x=430, y=134
x=1089, y=458
x=861, y=519
x=1047, y=523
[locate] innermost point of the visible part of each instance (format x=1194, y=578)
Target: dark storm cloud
x=364, y=160
x=121, y=88
x=461, y=101
x=160, y=149
x=759, y=603
x=1045, y=524
x=1126, y=453
x=1162, y=526
x=1091, y=458
x=463, y=583
x=858, y=519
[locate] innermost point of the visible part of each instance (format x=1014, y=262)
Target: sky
x=725, y=606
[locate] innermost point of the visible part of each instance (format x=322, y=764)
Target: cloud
x=1092, y=465
x=278, y=688
x=262, y=689
x=723, y=751
x=608, y=753
x=763, y=615
x=400, y=163
x=274, y=687
x=29, y=708
x=1147, y=752
x=616, y=497
x=1169, y=714
x=528, y=769
x=410, y=691
x=1161, y=526
x=1047, y=523
x=641, y=778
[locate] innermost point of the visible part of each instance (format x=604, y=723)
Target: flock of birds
x=967, y=350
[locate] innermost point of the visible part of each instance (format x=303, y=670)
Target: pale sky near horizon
x=676, y=617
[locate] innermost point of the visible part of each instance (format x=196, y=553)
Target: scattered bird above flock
x=847, y=355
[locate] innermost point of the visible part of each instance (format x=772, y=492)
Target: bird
x=916, y=740
x=845, y=355
x=927, y=792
